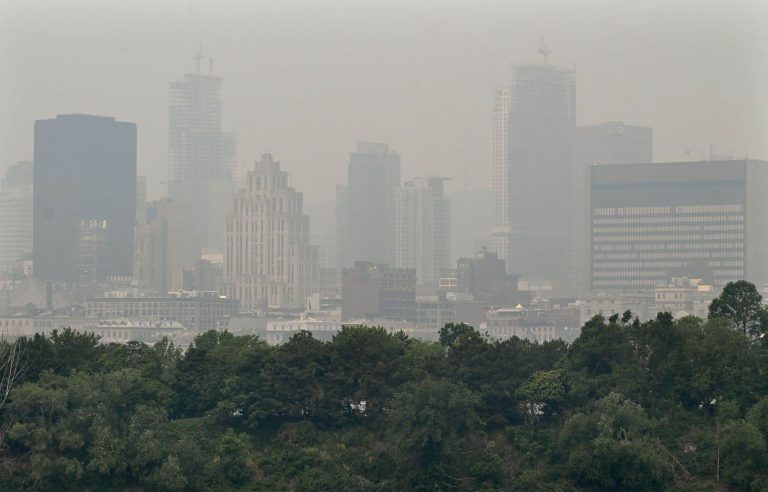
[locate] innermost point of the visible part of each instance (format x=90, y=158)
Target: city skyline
x=422, y=83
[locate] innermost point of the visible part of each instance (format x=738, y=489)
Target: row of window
x=599, y=265
x=661, y=256
x=668, y=246
x=618, y=229
x=668, y=219
x=668, y=237
x=681, y=209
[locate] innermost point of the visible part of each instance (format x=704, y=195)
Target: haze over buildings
x=84, y=197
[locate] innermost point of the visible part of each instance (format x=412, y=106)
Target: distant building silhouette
x=533, y=192
x=165, y=245
x=369, y=290
x=15, y=218
x=84, y=197
x=423, y=229
x=606, y=143
x=653, y=222
x=268, y=261
x=201, y=157
x=366, y=206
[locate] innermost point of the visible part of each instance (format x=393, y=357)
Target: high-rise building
x=201, y=157
x=15, y=218
x=533, y=191
x=366, y=206
x=165, y=245
x=606, y=143
x=84, y=197
x=654, y=222
x=268, y=261
x=423, y=229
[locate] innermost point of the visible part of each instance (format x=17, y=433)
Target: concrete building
x=16, y=218
x=423, y=229
x=641, y=304
x=268, y=261
x=534, y=118
x=201, y=157
x=166, y=245
x=84, y=198
x=684, y=297
x=195, y=311
x=485, y=277
x=377, y=291
x=120, y=330
x=365, y=209
x=536, y=325
x=652, y=222
x=605, y=143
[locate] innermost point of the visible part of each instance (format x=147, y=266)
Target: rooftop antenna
x=544, y=50
x=197, y=45
x=198, y=57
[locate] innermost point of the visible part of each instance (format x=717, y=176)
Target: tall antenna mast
x=544, y=50
x=197, y=45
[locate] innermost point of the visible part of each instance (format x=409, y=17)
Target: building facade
x=423, y=229
x=365, y=209
x=652, y=222
x=84, y=205
x=533, y=194
x=606, y=143
x=165, y=246
x=268, y=261
x=369, y=290
x=201, y=157
x=15, y=218
x=195, y=311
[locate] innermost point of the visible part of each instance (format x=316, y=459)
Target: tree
x=429, y=421
x=741, y=304
x=544, y=389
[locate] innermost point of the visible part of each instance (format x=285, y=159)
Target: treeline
x=677, y=405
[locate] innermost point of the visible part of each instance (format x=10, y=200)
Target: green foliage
x=742, y=305
x=675, y=405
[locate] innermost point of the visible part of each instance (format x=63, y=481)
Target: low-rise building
x=196, y=311
x=538, y=325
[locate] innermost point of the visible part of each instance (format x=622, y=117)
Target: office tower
x=15, y=218
x=533, y=191
x=370, y=291
x=268, y=261
x=606, y=143
x=201, y=157
x=84, y=198
x=165, y=245
x=653, y=222
x=366, y=206
x=423, y=229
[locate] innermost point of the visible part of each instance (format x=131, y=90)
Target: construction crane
x=544, y=50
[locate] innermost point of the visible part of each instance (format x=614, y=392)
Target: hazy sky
x=306, y=80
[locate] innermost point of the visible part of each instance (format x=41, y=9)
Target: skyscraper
x=366, y=220
x=84, y=197
x=15, y=217
x=533, y=192
x=651, y=222
x=606, y=143
x=201, y=157
x=422, y=231
x=165, y=245
x=268, y=261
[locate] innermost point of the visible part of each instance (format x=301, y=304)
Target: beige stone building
x=268, y=261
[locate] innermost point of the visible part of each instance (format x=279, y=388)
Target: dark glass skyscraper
x=84, y=197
